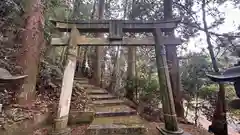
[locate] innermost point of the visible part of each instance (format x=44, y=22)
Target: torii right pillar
x=170, y=117
x=173, y=64
x=169, y=81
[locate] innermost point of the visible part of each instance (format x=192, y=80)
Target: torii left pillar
x=60, y=123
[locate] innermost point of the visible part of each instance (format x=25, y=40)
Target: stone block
x=116, y=130
x=79, y=117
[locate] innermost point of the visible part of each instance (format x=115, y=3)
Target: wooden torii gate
x=116, y=28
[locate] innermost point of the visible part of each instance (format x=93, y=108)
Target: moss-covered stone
x=113, y=117
x=96, y=91
x=102, y=97
x=116, y=130
x=121, y=125
x=87, y=86
x=108, y=102
x=78, y=117
x=116, y=110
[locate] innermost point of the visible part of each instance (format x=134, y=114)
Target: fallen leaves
x=79, y=130
x=46, y=101
x=75, y=130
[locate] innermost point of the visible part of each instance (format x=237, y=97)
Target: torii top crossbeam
x=118, y=26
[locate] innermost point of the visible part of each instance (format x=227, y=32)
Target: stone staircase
x=112, y=117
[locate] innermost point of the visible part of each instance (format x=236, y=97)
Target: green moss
x=76, y=117
x=115, y=108
x=123, y=120
x=235, y=113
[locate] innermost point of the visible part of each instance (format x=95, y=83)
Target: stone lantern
x=6, y=81
x=231, y=74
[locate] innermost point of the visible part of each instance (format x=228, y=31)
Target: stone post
x=60, y=125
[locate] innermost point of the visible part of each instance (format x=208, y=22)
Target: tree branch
x=210, y=32
x=197, y=26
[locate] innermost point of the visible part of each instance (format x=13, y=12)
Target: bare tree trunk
x=187, y=109
x=78, y=63
x=99, y=49
x=196, y=110
x=131, y=64
x=32, y=42
x=131, y=72
x=219, y=122
x=173, y=64
x=136, y=81
x=76, y=10
x=115, y=74
x=50, y=53
x=64, y=49
x=85, y=61
x=63, y=55
x=103, y=67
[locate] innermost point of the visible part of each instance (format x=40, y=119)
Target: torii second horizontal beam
x=82, y=41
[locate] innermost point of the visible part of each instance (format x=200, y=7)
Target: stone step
x=87, y=86
x=80, y=79
x=97, y=88
x=108, y=102
x=116, y=110
x=102, y=97
x=83, y=82
x=122, y=125
x=96, y=91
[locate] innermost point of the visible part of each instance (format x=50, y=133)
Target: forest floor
x=191, y=129
x=81, y=129
x=46, y=100
x=45, y=103
x=75, y=130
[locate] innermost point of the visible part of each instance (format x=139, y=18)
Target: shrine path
x=113, y=116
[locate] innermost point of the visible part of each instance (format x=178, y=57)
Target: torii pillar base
x=60, y=127
x=164, y=131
